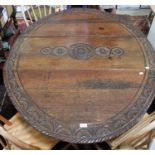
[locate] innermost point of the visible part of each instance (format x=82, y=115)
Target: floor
x=133, y=12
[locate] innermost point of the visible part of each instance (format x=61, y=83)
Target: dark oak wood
x=81, y=76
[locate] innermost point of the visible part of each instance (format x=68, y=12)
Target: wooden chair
x=32, y=13
x=18, y=134
x=138, y=137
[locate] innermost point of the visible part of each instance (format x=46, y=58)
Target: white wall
x=151, y=35
x=128, y=6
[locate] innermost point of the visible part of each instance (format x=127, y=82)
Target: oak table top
x=81, y=75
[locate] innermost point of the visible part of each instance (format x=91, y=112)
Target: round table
x=81, y=75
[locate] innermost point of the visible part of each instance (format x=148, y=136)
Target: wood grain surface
x=81, y=76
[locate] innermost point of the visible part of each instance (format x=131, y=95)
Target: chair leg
x=2, y=143
x=23, y=13
x=16, y=141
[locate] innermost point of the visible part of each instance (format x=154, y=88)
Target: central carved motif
x=81, y=51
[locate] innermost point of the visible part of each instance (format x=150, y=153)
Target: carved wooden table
x=81, y=76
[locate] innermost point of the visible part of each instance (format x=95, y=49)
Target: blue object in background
x=5, y=46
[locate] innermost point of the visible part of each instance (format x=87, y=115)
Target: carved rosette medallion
x=102, y=51
x=117, y=51
x=81, y=51
x=59, y=51
x=45, y=51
